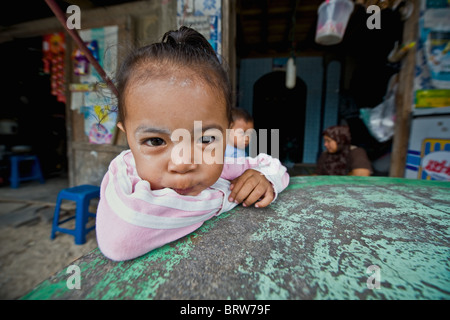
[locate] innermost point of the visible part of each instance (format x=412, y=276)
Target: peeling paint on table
x=316, y=241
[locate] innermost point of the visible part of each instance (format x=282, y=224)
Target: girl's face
x=159, y=126
x=330, y=144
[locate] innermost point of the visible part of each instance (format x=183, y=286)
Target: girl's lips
x=184, y=191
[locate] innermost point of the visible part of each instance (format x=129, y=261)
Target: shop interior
x=341, y=79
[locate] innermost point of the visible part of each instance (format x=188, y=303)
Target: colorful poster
x=106, y=40
x=96, y=102
x=100, y=117
x=435, y=163
x=433, y=51
x=198, y=14
x=54, y=48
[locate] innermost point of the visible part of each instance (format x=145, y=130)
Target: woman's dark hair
x=340, y=134
x=178, y=50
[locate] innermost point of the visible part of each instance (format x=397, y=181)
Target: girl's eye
x=207, y=139
x=155, y=142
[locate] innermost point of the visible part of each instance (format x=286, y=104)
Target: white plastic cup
x=332, y=21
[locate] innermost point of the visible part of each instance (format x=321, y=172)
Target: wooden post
x=404, y=97
x=229, y=40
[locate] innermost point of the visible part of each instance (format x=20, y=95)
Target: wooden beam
x=264, y=24
x=404, y=98
x=89, y=18
x=229, y=40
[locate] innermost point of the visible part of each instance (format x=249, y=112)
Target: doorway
x=277, y=107
x=38, y=118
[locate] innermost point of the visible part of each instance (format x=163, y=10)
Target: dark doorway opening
x=277, y=107
x=38, y=118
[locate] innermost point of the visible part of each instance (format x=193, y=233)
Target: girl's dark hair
x=178, y=50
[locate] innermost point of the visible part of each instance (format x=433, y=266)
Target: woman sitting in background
x=340, y=157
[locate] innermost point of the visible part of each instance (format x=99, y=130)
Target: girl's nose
x=182, y=162
x=181, y=167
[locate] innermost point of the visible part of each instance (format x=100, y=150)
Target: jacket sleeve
x=119, y=239
x=270, y=167
x=133, y=219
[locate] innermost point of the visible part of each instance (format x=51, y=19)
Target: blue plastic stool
x=82, y=195
x=35, y=174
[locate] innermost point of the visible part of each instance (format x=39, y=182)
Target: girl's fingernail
x=256, y=206
x=244, y=205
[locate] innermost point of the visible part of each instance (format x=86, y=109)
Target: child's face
x=330, y=144
x=237, y=137
x=154, y=111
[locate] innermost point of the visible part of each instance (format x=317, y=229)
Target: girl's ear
x=121, y=126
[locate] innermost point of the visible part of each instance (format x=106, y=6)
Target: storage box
x=428, y=155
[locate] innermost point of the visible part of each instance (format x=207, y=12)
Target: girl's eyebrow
x=212, y=126
x=147, y=129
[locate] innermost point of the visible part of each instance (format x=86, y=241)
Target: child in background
x=159, y=191
x=238, y=140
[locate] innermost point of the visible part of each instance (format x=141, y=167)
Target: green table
x=324, y=238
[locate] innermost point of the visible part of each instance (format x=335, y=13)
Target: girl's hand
x=252, y=187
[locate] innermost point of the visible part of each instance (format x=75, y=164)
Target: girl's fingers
x=266, y=200
x=250, y=189
x=254, y=195
x=237, y=184
x=243, y=191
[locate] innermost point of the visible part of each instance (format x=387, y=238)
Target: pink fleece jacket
x=132, y=219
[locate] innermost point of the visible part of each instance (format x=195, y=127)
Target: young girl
x=174, y=107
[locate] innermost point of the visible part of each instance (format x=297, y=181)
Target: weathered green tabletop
x=324, y=238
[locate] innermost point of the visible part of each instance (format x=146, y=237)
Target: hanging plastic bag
x=381, y=119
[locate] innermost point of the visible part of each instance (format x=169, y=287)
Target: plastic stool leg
x=56, y=217
x=80, y=223
x=38, y=171
x=14, y=173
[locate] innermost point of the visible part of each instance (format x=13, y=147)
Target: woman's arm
x=360, y=164
x=360, y=172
